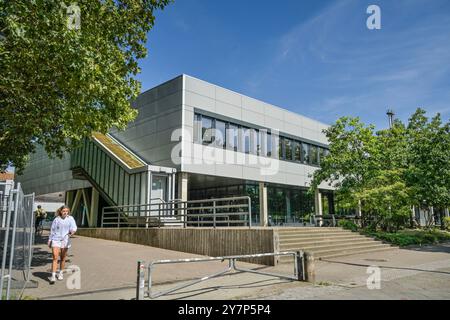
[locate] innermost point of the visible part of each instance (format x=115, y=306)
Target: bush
x=446, y=223
x=411, y=237
x=348, y=225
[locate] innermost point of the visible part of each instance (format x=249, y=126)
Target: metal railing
x=143, y=291
x=16, y=241
x=223, y=212
x=332, y=220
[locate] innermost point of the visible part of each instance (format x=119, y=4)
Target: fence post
x=214, y=213
x=140, y=283
x=249, y=212
x=310, y=269
x=300, y=265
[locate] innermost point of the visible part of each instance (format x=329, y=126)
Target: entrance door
x=159, y=195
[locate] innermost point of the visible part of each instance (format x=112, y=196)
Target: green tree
x=60, y=82
x=350, y=162
x=428, y=174
x=367, y=169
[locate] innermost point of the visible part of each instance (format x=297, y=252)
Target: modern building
x=193, y=140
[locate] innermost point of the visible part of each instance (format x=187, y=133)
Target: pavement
x=107, y=270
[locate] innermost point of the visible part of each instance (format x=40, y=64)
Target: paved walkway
x=108, y=271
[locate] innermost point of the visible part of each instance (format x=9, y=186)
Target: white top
x=61, y=227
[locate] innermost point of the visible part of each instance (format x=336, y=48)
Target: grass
x=404, y=238
x=120, y=152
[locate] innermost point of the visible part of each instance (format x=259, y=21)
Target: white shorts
x=60, y=244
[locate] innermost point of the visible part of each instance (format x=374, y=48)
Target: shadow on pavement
x=442, y=247
x=384, y=267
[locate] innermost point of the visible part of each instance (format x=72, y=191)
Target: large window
x=297, y=151
x=197, y=127
x=305, y=153
x=260, y=142
x=288, y=149
x=233, y=137
x=313, y=155
x=219, y=134
x=207, y=132
x=269, y=145
x=281, y=148
x=246, y=139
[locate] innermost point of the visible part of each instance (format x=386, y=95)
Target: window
x=197, y=128
x=322, y=154
x=246, y=139
x=288, y=148
x=219, y=133
x=297, y=151
x=233, y=137
x=314, y=155
x=258, y=140
x=281, y=148
x=269, y=145
x=305, y=153
x=207, y=126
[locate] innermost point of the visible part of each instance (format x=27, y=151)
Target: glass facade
x=286, y=204
x=232, y=136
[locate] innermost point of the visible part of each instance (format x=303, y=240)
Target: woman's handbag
x=50, y=244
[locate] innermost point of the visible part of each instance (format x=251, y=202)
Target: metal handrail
x=183, y=211
x=142, y=291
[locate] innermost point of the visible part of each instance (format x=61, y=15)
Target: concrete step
x=283, y=229
x=311, y=230
x=335, y=252
x=323, y=239
x=327, y=242
x=317, y=235
x=343, y=254
x=336, y=246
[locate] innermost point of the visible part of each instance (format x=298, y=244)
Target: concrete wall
x=228, y=105
x=160, y=113
x=203, y=241
x=44, y=175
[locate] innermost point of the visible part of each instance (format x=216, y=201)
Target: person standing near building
x=39, y=215
x=63, y=227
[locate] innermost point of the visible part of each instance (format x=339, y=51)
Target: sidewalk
x=108, y=271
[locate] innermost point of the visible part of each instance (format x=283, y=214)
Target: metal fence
x=222, y=212
x=16, y=239
x=143, y=291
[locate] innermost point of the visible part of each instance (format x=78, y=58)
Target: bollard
x=140, y=283
x=310, y=269
x=300, y=265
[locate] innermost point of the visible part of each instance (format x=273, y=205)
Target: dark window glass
x=305, y=153
x=288, y=148
x=269, y=145
x=219, y=133
x=281, y=148
x=314, y=155
x=322, y=154
x=246, y=139
x=258, y=142
x=197, y=128
x=297, y=151
x=207, y=126
x=233, y=137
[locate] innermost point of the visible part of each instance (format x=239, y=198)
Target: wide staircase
x=327, y=243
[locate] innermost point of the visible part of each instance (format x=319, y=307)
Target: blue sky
x=316, y=58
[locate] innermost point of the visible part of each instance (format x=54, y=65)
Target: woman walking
x=63, y=227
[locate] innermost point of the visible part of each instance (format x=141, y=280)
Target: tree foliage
x=59, y=84
x=388, y=171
